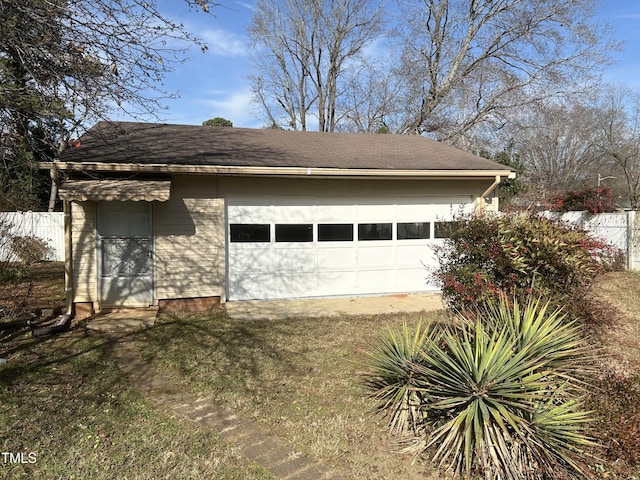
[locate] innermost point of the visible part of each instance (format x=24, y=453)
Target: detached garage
x=185, y=216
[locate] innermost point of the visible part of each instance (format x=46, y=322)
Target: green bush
x=521, y=256
x=496, y=397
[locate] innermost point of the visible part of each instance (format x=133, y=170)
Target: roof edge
x=270, y=171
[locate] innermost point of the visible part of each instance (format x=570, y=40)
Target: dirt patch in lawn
x=41, y=288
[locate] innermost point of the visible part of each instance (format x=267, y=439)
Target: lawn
x=67, y=411
x=622, y=289
x=67, y=407
x=300, y=379
x=65, y=400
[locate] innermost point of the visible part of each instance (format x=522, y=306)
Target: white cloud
x=248, y=6
x=224, y=43
x=235, y=106
x=376, y=48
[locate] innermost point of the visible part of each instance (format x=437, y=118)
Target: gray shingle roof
x=150, y=143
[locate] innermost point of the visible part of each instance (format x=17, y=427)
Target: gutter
x=274, y=171
x=492, y=187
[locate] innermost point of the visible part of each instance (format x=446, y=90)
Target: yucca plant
x=499, y=396
x=543, y=332
x=393, y=381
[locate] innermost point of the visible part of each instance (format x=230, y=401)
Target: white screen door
x=125, y=248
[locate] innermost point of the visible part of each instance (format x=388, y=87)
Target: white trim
x=275, y=171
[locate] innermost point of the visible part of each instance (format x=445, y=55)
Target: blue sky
x=215, y=84
x=624, y=18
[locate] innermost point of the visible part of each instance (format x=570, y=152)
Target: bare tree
x=302, y=48
x=66, y=63
x=555, y=142
x=471, y=62
x=618, y=137
x=280, y=33
x=370, y=102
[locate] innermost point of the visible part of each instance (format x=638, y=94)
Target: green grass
x=300, y=379
x=65, y=402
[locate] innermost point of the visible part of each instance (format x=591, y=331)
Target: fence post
x=631, y=239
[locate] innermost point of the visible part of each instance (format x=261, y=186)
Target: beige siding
x=348, y=187
x=366, y=187
x=189, y=240
x=83, y=238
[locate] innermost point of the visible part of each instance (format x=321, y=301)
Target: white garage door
x=308, y=247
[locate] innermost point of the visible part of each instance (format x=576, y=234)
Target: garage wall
x=189, y=240
x=190, y=229
x=83, y=238
x=188, y=243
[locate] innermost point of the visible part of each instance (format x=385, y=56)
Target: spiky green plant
x=542, y=331
x=500, y=395
x=392, y=381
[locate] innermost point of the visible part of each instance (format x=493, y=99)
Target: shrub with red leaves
x=593, y=200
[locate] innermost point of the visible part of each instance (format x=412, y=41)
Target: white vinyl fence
x=46, y=226
x=620, y=230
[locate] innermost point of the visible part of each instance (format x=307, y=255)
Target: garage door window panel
x=374, y=231
x=294, y=232
x=414, y=231
x=250, y=233
x=443, y=229
x=335, y=232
